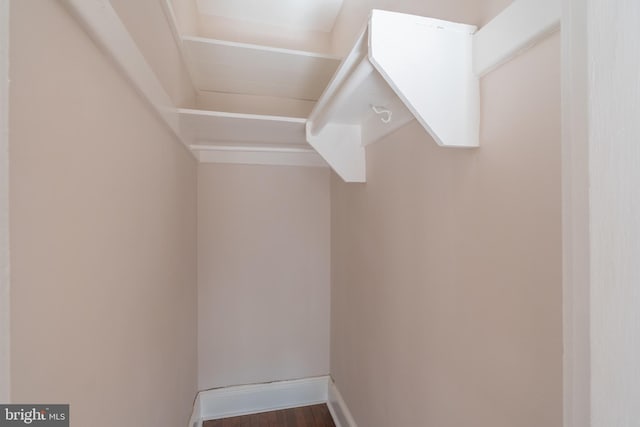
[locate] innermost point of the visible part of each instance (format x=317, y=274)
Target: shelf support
x=323, y=116
x=521, y=25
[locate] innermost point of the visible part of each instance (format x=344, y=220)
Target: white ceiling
x=308, y=15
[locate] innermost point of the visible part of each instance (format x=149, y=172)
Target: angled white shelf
x=230, y=67
x=402, y=66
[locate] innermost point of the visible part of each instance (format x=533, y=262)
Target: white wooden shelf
x=402, y=66
x=202, y=127
x=247, y=138
x=229, y=67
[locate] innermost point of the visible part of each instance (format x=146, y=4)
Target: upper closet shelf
x=402, y=66
x=203, y=127
x=230, y=67
x=220, y=137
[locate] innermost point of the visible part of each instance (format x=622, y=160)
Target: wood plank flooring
x=306, y=416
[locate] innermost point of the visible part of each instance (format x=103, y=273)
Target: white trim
x=252, y=399
x=575, y=218
x=5, y=331
x=339, y=411
x=259, y=149
x=247, y=155
x=260, y=117
x=196, y=414
x=521, y=25
x=104, y=25
x=169, y=13
x=261, y=48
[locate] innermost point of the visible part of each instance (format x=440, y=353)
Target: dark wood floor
x=307, y=416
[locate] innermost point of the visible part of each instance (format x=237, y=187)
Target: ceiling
x=307, y=15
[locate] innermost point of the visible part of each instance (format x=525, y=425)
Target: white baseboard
x=338, y=408
x=251, y=399
x=196, y=414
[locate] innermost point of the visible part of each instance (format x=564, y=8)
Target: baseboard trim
x=196, y=413
x=252, y=399
x=338, y=408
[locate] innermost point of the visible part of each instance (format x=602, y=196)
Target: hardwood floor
x=306, y=416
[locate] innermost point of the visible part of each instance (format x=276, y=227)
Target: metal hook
x=381, y=110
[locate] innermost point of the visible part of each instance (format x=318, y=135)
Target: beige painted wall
x=446, y=305
x=186, y=15
x=263, y=273
x=103, y=235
